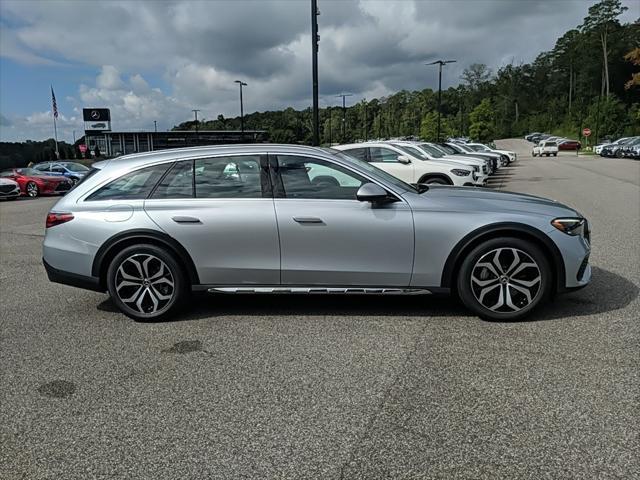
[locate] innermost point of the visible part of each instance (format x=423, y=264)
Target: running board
x=322, y=290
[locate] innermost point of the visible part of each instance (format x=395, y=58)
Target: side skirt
x=318, y=290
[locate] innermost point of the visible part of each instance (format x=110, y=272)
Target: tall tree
x=602, y=19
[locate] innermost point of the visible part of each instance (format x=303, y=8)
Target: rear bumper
x=72, y=279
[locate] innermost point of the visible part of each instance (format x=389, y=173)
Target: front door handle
x=307, y=220
x=180, y=219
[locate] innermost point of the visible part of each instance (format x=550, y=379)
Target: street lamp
x=344, y=112
x=195, y=112
x=241, y=84
x=440, y=63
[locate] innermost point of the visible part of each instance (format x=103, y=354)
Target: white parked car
x=427, y=152
x=479, y=147
x=9, y=189
x=545, y=148
x=401, y=163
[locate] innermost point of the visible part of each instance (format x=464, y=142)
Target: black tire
x=148, y=290
x=435, y=181
x=555, y=154
x=32, y=190
x=469, y=291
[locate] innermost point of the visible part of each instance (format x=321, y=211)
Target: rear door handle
x=180, y=219
x=307, y=220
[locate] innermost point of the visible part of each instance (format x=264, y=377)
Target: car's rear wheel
x=146, y=282
x=32, y=189
x=504, y=279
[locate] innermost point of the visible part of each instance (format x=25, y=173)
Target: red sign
x=586, y=132
x=82, y=147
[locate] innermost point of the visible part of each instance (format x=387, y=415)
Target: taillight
x=54, y=219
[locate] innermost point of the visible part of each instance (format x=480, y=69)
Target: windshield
x=464, y=148
x=447, y=149
x=367, y=167
x=413, y=151
x=431, y=150
x=75, y=167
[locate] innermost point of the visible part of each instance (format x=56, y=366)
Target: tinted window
x=43, y=167
x=178, y=183
x=58, y=169
x=359, y=153
x=75, y=167
x=379, y=154
x=228, y=177
x=304, y=177
x=132, y=186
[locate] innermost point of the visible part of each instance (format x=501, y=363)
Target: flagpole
x=55, y=132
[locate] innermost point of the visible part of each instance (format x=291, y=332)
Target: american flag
x=54, y=104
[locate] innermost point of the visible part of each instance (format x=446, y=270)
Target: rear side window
x=228, y=177
x=551, y=144
x=135, y=185
x=178, y=183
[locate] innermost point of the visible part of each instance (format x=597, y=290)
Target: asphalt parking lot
x=331, y=387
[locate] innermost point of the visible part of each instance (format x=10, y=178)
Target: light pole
x=195, y=112
x=344, y=113
x=440, y=63
x=155, y=125
x=241, y=84
x=330, y=125
x=315, y=39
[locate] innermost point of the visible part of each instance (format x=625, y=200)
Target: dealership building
x=97, y=124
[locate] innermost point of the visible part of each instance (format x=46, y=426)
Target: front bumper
x=575, y=252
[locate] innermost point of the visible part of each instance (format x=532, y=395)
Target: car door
x=57, y=170
x=328, y=237
x=220, y=209
x=387, y=160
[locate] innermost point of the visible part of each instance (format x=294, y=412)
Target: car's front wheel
x=504, y=279
x=146, y=282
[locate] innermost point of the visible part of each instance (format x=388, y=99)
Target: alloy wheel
x=506, y=280
x=144, y=283
x=32, y=189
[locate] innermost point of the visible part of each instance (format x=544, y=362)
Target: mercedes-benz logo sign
x=95, y=114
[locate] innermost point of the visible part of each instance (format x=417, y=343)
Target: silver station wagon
x=150, y=228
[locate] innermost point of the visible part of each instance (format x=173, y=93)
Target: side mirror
x=404, y=159
x=371, y=192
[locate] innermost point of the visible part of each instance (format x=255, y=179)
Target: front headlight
x=570, y=226
x=460, y=172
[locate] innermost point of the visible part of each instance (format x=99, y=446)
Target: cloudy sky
x=157, y=60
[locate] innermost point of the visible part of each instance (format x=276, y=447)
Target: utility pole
x=364, y=100
x=242, y=84
x=344, y=113
x=74, y=137
x=155, y=125
x=440, y=63
x=195, y=112
x=315, y=39
x=330, y=126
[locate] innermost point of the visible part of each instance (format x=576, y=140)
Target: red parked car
x=33, y=183
x=569, y=145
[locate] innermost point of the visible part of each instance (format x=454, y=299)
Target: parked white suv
x=406, y=166
x=546, y=148
x=425, y=151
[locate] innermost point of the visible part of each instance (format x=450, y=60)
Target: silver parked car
x=151, y=227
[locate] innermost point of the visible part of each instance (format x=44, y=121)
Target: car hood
x=481, y=200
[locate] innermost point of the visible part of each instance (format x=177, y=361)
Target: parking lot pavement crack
x=37, y=235
x=386, y=396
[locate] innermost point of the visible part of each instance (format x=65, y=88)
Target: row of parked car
x=42, y=179
x=450, y=163
x=626, y=147
x=547, y=145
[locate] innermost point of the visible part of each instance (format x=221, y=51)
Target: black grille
x=7, y=188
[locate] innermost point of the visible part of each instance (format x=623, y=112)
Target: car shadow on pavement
x=607, y=292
